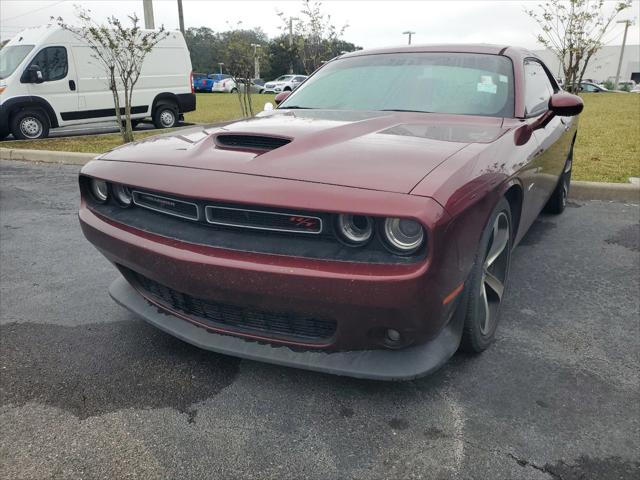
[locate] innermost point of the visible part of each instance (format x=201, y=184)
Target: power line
x=32, y=11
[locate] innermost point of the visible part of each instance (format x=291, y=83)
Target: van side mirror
x=35, y=74
x=281, y=97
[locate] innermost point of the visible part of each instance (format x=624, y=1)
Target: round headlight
x=355, y=229
x=99, y=190
x=122, y=195
x=405, y=236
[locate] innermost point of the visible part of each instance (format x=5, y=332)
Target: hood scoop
x=251, y=143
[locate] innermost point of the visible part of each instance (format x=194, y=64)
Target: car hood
x=387, y=151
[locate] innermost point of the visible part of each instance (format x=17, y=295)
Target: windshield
x=11, y=57
x=458, y=83
x=283, y=78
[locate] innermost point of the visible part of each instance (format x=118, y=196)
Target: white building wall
x=603, y=64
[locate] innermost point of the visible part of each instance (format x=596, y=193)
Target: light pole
x=147, y=6
x=627, y=23
x=409, y=32
x=291, y=19
x=180, y=17
x=256, y=60
x=220, y=64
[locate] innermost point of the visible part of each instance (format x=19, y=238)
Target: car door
x=543, y=171
x=59, y=85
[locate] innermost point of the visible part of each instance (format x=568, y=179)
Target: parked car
x=257, y=86
x=593, y=87
x=359, y=228
x=223, y=83
x=49, y=79
x=200, y=82
x=284, y=83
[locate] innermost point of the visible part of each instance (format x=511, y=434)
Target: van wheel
x=30, y=125
x=165, y=116
x=234, y=90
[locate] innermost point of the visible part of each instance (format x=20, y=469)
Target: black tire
x=286, y=89
x=262, y=91
x=487, y=282
x=30, y=125
x=234, y=90
x=165, y=116
x=558, y=200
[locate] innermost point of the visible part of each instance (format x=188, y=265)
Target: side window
x=537, y=88
x=53, y=63
x=298, y=79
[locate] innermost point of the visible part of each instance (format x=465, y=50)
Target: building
x=604, y=64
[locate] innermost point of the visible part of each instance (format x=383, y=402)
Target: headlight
x=404, y=236
x=122, y=195
x=354, y=229
x=99, y=190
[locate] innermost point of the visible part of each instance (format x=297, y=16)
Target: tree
x=121, y=52
x=314, y=35
x=239, y=62
x=574, y=32
x=204, y=48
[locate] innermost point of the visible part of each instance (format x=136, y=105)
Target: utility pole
x=256, y=60
x=220, y=65
x=409, y=32
x=291, y=19
x=180, y=17
x=627, y=23
x=147, y=5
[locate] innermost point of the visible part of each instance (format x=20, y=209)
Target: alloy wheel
x=31, y=127
x=494, y=272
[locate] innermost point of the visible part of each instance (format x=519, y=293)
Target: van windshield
x=11, y=57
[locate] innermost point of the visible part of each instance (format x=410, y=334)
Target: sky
x=371, y=24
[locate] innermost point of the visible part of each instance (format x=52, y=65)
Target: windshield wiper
x=402, y=110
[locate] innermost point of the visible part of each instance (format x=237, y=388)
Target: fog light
x=122, y=195
x=392, y=336
x=99, y=190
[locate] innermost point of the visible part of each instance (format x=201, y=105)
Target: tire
x=261, y=91
x=30, y=125
x=286, y=89
x=234, y=90
x=487, y=282
x=558, y=200
x=165, y=116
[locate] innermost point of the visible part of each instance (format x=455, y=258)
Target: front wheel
x=558, y=200
x=487, y=282
x=30, y=125
x=165, y=116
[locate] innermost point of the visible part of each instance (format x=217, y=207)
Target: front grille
x=246, y=320
x=251, y=142
x=262, y=220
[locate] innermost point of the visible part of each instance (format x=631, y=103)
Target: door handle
x=72, y=85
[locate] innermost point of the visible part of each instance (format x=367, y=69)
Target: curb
x=46, y=156
x=619, y=192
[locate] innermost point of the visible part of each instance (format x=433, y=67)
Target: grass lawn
x=607, y=149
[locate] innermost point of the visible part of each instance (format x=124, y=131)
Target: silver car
x=284, y=83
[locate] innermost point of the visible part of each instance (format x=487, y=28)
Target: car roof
x=485, y=48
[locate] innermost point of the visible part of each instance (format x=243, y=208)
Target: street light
x=409, y=32
x=256, y=60
x=220, y=64
x=627, y=23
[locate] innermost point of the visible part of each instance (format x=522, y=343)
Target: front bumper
x=403, y=364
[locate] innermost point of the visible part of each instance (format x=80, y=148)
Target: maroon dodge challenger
x=364, y=227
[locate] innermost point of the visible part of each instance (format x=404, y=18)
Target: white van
x=49, y=79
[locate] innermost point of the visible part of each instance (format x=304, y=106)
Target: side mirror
x=281, y=97
x=565, y=105
x=35, y=74
x=560, y=104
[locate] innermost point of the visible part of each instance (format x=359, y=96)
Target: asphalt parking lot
x=89, y=391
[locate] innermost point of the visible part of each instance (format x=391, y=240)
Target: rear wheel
x=165, y=116
x=30, y=125
x=234, y=90
x=487, y=283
